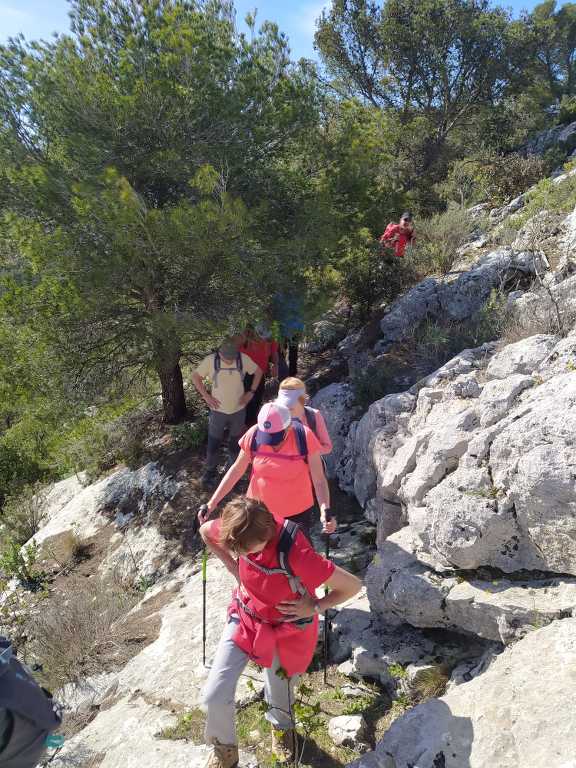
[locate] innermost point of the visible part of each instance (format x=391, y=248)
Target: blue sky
x=40, y=18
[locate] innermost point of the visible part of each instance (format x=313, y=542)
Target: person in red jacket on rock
x=272, y=620
x=398, y=236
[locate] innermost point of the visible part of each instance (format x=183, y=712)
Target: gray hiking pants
x=217, y=425
x=21, y=743
x=220, y=691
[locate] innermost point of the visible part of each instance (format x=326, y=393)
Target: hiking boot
x=209, y=478
x=222, y=756
x=284, y=744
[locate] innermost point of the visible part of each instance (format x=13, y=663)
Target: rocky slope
x=470, y=476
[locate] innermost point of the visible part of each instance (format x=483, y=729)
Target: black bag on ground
x=27, y=713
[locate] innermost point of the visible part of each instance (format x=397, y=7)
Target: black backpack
x=32, y=713
x=311, y=418
x=300, y=440
x=218, y=365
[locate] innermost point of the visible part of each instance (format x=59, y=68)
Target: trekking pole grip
x=328, y=518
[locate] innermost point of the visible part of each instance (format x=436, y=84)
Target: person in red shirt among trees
x=398, y=236
x=260, y=347
x=272, y=619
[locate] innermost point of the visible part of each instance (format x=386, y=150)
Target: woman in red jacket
x=272, y=619
x=398, y=236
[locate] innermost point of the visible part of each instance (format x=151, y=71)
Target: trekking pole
x=204, y=570
x=326, y=621
x=204, y=508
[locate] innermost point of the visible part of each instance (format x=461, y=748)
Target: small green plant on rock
x=486, y=493
x=189, y=727
x=397, y=671
x=19, y=562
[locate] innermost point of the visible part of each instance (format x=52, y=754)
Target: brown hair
x=245, y=522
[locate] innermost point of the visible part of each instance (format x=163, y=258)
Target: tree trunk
x=173, y=398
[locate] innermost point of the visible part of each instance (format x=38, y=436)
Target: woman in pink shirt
x=292, y=394
x=286, y=470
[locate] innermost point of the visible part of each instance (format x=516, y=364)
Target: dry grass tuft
x=81, y=633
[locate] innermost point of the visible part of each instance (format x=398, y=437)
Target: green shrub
x=463, y=184
x=376, y=381
x=549, y=195
x=506, y=176
x=439, y=238
x=19, y=562
x=95, y=444
x=567, y=113
x=397, y=671
x=191, y=436
x=22, y=514
x=435, y=342
x=189, y=727
x=16, y=468
x=367, y=278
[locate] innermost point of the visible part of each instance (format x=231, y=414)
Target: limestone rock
x=164, y=679
x=467, y=387
x=369, y=442
x=408, y=311
x=347, y=730
x=336, y=404
x=403, y=588
x=499, y=395
x=537, y=235
x=463, y=297
x=117, y=498
x=142, y=553
x=465, y=363
x=171, y=667
x=562, y=359
x=560, y=134
x=507, y=717
x=524, y=357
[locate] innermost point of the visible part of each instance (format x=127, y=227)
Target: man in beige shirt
x=226, y=399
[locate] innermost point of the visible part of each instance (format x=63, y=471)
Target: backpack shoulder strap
x=311, y=418
x=217, y=361
x=287, y=538
x=239, y=363
x=285, y=542
x=300, y=437
x=254, y=442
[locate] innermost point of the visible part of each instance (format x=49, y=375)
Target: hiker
x=287, y=309
x=286, y=464
x=260, y=347
x=292, y=394
x=226, y=400
x=272, y=620
x=28, y=714
x=398, y=236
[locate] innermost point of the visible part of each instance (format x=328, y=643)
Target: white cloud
x=13, y=21
x=10, y=14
